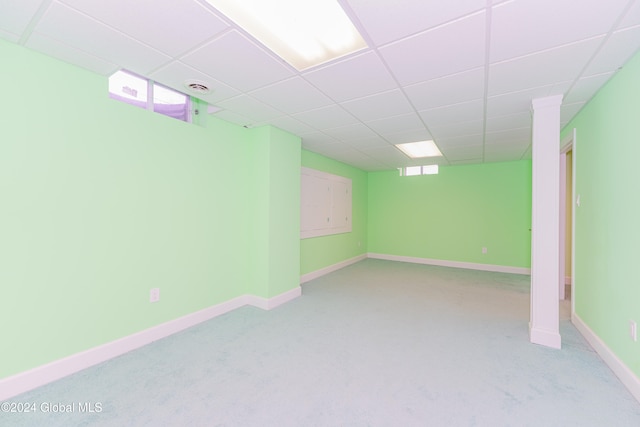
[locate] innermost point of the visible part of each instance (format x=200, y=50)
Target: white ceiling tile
x=586, y=87
x=540, y=69
x=379, y=106
x=5, y=35
x=632, y=17
x=326, y=117
x=395, y=124
x=617, y=50
x=233, y=117
x=293, y=95
x=291, y=125
x=368, y=143
x=460, y=141
x=67, y=26
x=351, y=78
x=385, y=21
x=71, y=55
x=512, y=121
x=157, y=23
x=451, y=89
x=238, y=62
x=466, y=162
x=567, y=111
x=317, y=140
x=14, y=19
x=456, y=154
x=388, y=155
x=250, y=107
x=457, y=113
x=349, y=133
x=408, y=136
x=523, y=27
x=175, y=74
x=473, y=127
x=511, y=137
x=515, y=102
x=452, y=48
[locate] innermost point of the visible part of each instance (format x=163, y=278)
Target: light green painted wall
x=453, y=215
x=319, y=252
x=607, y=293
x=102, y=201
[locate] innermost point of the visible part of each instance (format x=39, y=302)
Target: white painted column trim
x=544, y=327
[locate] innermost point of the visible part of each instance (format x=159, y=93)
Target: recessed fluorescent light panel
x=303, y=33
x=420, y=149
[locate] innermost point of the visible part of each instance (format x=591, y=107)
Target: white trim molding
x=455, y=264
x=41, y=375
x=622, y=371
x=331, y=268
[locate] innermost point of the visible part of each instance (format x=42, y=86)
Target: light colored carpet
x=378, y=343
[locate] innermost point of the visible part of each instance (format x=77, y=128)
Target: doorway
x=566, y=288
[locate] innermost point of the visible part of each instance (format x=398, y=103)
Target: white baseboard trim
x=326, y=270
x=41, y=375
x=455, y=264
x=628, y=378
x=547, y=338
x=271, y=303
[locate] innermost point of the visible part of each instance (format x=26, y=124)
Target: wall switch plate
x=633, y=330
x=154, y=295
x=484, y=250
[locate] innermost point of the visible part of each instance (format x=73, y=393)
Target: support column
x=545, y=226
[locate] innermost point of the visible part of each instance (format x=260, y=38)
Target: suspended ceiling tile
x=559, y=64
x=512, y=121
x=71, y=55
x=5, y=35
x=515, y=102
x=466, y=162
x=389, y=155
x=461, y=141
x=326, y=117
x=172, y=27
x=233, y=117
x=523, y=27
x=291, y=125
x=457, y=113
x=351, y=78
x=585, y=88
x=14, y=19
x=379, y=106
x=67, y=26
x=348, y=133
x=511, y=137
x=238, y=62
x=408, y=136
x=293, y=95
x=388, y=21
x=374, y=141
x=452, y=48
x=473, y=127
x=448, y=90
x=175, y=74
x=455, y=154
x=250, y=107
x=617, y=50
x=395, y=124
x=568, y=111
x=632, y=17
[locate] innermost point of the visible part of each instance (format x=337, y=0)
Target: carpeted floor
x=378, y=343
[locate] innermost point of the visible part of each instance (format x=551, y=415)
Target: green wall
x=607, y=230
x=319, y=252
x=453, y=215
x=102, y=201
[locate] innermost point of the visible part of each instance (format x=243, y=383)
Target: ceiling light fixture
x=420, y=149
x=303, y=33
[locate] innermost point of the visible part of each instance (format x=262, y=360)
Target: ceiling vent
x=197, y=86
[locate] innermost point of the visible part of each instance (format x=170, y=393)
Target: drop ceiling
x=462, y=72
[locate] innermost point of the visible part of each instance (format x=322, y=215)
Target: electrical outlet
x=484, y=250
x=154, y=295
x=633, y=330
